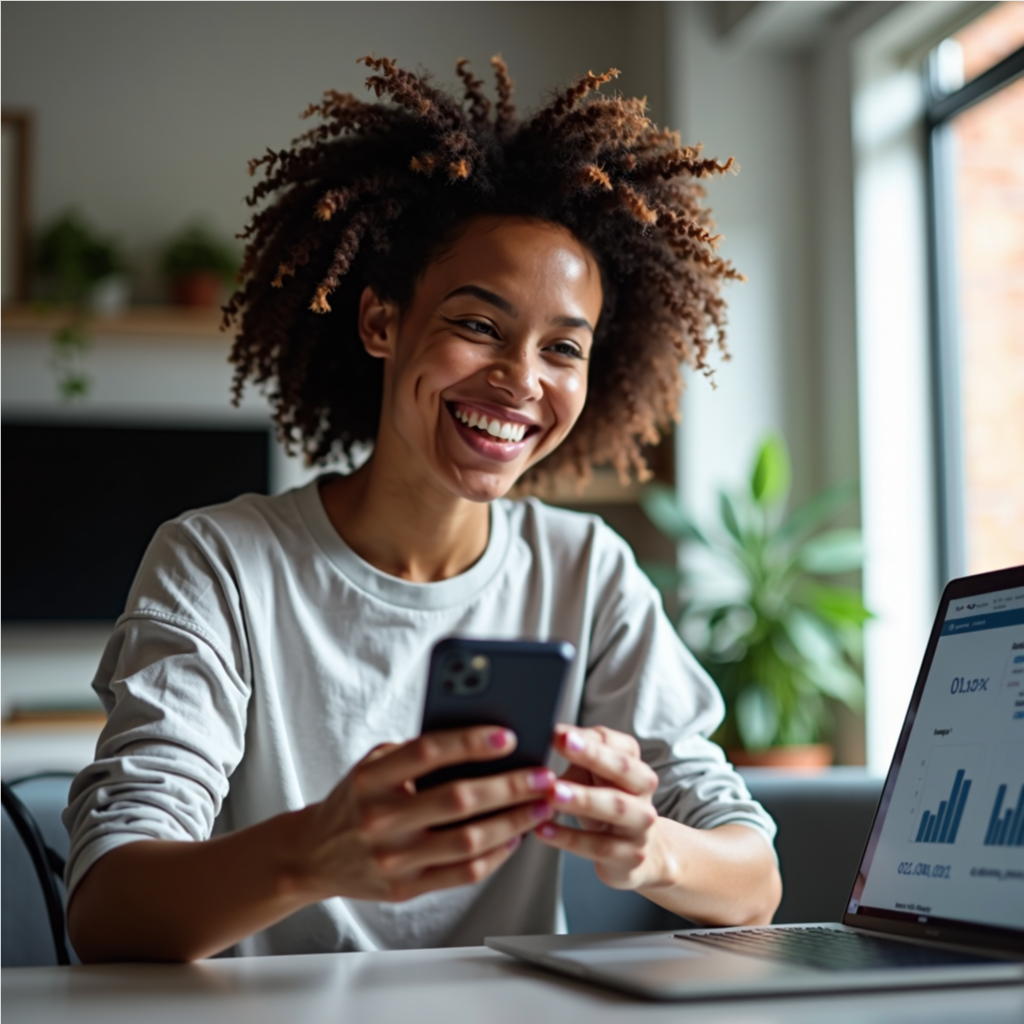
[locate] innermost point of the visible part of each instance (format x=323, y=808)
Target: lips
x=499, y=436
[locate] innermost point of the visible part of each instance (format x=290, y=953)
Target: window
x=976, y=122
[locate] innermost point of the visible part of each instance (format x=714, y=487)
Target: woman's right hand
x=376, y=837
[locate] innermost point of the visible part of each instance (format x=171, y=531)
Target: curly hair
x=375, y=191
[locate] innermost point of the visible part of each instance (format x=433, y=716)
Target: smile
x=501, y=430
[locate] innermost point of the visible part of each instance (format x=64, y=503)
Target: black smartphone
x=516, y=684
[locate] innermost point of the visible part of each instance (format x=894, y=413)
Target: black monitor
x=81, y=502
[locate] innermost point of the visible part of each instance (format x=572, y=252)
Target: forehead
x=529, y=257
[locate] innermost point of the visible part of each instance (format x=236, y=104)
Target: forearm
x=179, y=901
x=719, y=876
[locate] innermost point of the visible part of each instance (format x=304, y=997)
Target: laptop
x=939, y=896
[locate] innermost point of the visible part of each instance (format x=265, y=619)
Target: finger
x=611, y=737
x=600, y=847
x=431, y=751
x=455, y=801
x=461, y=844
x=605, y=806
x=583, y=748
x=449, y=876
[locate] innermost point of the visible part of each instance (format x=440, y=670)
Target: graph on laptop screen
x=951, y=844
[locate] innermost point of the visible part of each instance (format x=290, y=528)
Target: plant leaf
x=834, y=551
x=667, y=578
x=729, y=517
x=840, y=605
x=812, y=514
x=661, y=505
x=757, y=717
x=770, y=480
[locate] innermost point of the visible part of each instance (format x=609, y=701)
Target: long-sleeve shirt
x=259, y=658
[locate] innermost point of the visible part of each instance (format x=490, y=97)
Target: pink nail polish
x=563, y=792
x=574, y=742
x=541, y=810
x=540, y=779
x=547, y=831
x=500, y=738
x=513, y=842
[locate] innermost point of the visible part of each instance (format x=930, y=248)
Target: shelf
x=136, y=321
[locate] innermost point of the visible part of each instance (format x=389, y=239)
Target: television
x=81, y=501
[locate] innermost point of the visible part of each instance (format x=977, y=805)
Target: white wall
x=146, y=113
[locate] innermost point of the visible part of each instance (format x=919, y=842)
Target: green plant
x=196, y=250
x=70, y=261
x=783, y=641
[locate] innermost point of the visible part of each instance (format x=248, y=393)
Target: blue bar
x=1017, y=815
x=990, y=835
x=931, y=830
x=923, y=826
x=951, y=806
x=1004, y=828
x=1019, y=841
x=959, y=811
x=939, y=819
x=994, y=620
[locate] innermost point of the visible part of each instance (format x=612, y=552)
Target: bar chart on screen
x=947, y=791
x=1004, y=825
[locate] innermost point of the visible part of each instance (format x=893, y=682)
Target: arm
x=725, y=875
x=373, y=838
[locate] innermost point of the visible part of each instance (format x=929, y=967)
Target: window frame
x=940, y=111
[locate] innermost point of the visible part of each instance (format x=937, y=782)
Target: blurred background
x=877, y=345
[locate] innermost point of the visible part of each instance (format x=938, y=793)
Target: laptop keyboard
x=829, y=949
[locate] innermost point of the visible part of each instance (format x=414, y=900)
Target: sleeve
x=175, y=682
x=642, y=680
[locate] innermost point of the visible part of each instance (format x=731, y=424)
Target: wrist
x=297, y=857
x=664, y=868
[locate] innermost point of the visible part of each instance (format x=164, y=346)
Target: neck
x=410, y=532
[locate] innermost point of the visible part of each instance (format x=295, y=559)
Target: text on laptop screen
x=951, y=844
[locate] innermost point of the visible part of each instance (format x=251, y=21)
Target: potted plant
x=81, y=271
x=198, y=266
x=780, y=638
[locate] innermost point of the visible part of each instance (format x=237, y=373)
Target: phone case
x=516, y=684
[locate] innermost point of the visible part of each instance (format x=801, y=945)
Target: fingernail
x=499, y=739
x=541, y=810
x=540, y=779
x=547, y=831
x=574, y=741
x=513, y=842
x=563, y=792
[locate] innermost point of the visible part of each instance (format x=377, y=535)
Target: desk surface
x=448, y=986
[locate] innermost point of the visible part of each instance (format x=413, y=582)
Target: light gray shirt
x=260, y=658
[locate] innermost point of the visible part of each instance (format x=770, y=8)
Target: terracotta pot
x=202, y=288
x=801, y=757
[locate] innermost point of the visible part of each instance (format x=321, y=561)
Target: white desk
x=426, y=986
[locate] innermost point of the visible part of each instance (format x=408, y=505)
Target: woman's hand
x=376, y=837
x=608, y=788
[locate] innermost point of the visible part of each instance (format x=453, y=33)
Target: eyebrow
x=510, y=310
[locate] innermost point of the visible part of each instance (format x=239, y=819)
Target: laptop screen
x=947, y=847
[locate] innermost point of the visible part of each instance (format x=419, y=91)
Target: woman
x=484, y=303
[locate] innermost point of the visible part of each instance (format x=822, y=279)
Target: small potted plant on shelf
x=198, y=266
x=80, y=271
x=782, y=640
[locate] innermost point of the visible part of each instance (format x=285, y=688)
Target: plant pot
x=800, y=757
x=201, y=288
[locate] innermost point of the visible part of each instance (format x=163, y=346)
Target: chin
x=483, y=488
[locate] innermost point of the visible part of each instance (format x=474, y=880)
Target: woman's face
x=486, y=370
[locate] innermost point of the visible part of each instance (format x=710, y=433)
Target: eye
x=567, y=348
x=476, y=326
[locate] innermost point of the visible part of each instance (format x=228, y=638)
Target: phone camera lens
x=449, y=686
x=457, y=666
x=472, y=683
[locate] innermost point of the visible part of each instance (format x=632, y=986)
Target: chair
x=34, y=847
x=823, y=824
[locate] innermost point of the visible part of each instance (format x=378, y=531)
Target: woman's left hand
x=608, y=789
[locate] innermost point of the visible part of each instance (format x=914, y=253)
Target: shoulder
x=566, y=537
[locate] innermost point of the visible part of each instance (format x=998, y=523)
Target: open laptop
x=939, y=895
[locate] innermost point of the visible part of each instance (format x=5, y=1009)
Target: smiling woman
x=484, y=302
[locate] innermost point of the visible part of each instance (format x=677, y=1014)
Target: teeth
x=504, y=431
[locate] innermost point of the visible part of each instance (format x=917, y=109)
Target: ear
x=378, y=324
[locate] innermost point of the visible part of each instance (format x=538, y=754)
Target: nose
x=517, y=373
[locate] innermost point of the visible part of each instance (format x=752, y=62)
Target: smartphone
x=516, y=684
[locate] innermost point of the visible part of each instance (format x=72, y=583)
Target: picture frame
x=15, y=256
